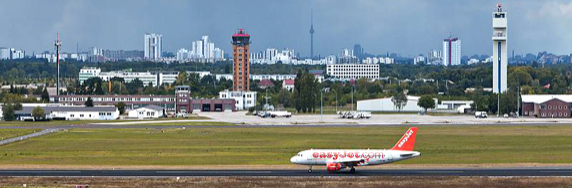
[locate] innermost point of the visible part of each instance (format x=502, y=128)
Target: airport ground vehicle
x=338, y=159
x=481, y=114
x=354, y=115
x=274, y=114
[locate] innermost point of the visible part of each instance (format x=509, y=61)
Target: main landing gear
x=310, y=170
x=353, y=170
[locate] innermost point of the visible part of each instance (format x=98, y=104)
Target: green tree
x=45, y=96
x=121, y=107
x=8, y=112
x=399, y=100
x=306, y=92
x=89, y=102
x=38, y=113
x=284, y=98
x=426, y=102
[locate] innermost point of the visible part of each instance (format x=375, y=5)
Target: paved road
x=24, y=137
x=143, y=126
x=399, y=172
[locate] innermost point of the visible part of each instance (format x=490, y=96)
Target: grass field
x=11, y=133
x=245, y=146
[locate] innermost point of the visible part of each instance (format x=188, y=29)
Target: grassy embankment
x=246, y=146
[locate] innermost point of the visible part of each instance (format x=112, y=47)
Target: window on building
x=81, y=115
x=72, y=115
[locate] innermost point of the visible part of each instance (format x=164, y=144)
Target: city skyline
x=420, y=26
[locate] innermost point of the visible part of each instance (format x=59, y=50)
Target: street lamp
x=321, y=105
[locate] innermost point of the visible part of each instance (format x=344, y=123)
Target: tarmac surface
x=245, y=173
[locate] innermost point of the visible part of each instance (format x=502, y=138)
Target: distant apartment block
x=201, y=50
x=353, y=71
x=155, y=78
x=153, y=46
x=378, y=60
x=451, y=51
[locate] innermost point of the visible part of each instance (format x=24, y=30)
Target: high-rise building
x=153, y=46
x=500, y=54
x=358, y=51
x=4, y=53
x=240, y=61
x=451, y=51
x=312, y=35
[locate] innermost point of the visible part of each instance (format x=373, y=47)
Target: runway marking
x=442, y=172
x=214, y=172
x=556, y=171
x=36, y=171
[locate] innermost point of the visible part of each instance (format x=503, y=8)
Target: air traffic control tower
x=240, y=61
x=500, y=53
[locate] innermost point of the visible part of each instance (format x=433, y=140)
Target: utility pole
x=336, y=103
x=267, y=97
x=498, y=104
x=517, y=97
x=352, y=97
x=321, y=105
x=58, y=44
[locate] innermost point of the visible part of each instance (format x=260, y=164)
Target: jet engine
x=333, y=167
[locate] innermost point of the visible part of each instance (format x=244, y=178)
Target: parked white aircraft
x=337, y=159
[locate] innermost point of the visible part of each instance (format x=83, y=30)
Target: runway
x=286, y=173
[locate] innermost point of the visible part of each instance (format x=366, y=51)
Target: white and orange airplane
x=338, y=159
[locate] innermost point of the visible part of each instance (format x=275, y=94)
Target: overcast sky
x=407, y=27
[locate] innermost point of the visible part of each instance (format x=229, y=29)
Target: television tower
x=312, y=34
x=58, y=44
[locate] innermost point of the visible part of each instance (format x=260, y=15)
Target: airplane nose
x=293, y=159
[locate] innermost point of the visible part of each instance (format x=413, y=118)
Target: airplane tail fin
x=407, y=141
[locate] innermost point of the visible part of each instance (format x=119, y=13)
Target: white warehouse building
x=386, y=105
x=155, y=78
x=355, y=71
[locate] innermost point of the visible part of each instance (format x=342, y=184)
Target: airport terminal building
x=180, y=102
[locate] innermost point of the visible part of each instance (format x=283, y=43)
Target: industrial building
x=147, y=112
x=386, y=105
x=62, y=112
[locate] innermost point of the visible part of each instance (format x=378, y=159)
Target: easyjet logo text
x=345, y=154
x=407, y=135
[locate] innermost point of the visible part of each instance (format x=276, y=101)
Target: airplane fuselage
x=356, y=157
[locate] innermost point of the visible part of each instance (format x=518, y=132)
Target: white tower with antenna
x=500, y=53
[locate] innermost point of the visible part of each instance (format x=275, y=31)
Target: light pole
x=336, y=101
x=518, y=102
x=352, y=98
x=321, y=105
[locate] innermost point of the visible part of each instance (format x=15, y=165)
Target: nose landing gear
x=353, y=170
x=310, y=170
